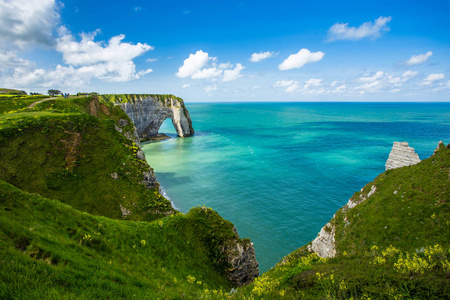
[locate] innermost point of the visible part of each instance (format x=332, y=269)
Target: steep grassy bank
x=394, y=245
x=49, y=249
x=70, y=150
x=68, y=238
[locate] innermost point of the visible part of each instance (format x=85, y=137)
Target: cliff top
x=124, y=98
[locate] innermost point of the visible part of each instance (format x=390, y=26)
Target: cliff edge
x=148, y=112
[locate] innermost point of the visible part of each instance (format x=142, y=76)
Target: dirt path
x=37, y=102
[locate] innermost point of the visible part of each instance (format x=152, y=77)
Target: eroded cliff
x=148, y=112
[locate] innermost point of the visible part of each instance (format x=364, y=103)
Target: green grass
x=12, y=92
x=61, y=152
x=396, y=244
x=50, y=250
x=13, y=103
x=388, y=247
x=124, y=98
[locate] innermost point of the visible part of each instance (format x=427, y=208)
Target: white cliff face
x=401, y=155
x=149, y=112
x=324, y=243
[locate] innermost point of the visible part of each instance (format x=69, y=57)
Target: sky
x=226, y=51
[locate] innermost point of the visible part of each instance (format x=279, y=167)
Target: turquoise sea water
x=279, y=171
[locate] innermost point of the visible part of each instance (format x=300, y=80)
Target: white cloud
x=88, y=52
x=410, y=74
x=230, y=75
x=207, y=73
x=113, y=62
x=370, y=87
x=432, y=78
x=283, y=83
x=290, y=85
x=210, y=88
x=313, y=82
x=340, y=88
x=334, y=83
x=341, y=31
x=193, y=64
x=149, y=60
x=257, y=57
x=186, y=85
x=298, y=60
x=373, y=78
x=225, y=66
x=27, y=22
x=419, y=59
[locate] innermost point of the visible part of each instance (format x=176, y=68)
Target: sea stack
x=401, y=155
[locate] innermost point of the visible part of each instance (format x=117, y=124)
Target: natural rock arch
x=148, y=112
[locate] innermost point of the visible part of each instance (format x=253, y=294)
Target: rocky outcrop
x=148, y=112
x=240, y=255
x=353, y=202
x=401, y=155
x=439, y=147
x=324, y=243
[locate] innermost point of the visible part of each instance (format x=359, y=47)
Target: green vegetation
x=14, y=103
x=69, y=149
x=50, y=250
x=125, y=98
x=68, y=179
x=394, y=245
x=77, y=220
x=4, y=91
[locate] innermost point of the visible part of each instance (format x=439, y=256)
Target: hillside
x=81, y=216
x=73, y=185
x=72, y=150
x=394, y=245
x=49, y=249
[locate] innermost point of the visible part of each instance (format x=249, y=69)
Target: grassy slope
x=15, y=103
x=49, y=249
x=124, y=98
x=66, y=150
x=393, y=245
x=59, y=150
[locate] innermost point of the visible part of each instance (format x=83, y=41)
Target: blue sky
x=230, y=50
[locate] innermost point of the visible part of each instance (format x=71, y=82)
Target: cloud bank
x=341, y=31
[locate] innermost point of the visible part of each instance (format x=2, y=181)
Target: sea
x=279, y=171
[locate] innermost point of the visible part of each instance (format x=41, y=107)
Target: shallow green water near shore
x=279, y=171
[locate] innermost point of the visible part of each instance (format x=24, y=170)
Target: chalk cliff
x=401, y=155
x=148, y=112
x=325, y=244
x=240, y=255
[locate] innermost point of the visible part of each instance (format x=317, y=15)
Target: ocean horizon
x=280, y=170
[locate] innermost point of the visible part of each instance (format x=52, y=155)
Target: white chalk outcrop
x=148, y=112
x=401, y=156
x=324, y=243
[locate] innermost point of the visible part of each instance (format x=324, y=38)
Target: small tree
x=54, y=92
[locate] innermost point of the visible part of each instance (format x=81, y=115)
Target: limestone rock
x=150, y=181
x=125, y=212
x=353, y=202
x=240, y=255
x=439, y=146
x=401, y=155
x=324, y=243
x=148, y=112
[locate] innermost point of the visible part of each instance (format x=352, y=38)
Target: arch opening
x=167, y=128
